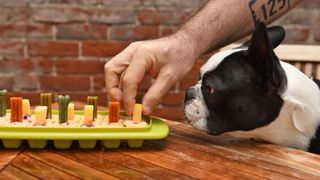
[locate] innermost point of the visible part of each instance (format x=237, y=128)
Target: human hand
x=166, y=59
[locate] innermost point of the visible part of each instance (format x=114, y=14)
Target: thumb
x=160, y=87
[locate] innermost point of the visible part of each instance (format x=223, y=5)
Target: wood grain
x=11, y=172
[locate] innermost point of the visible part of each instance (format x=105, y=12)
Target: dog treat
x=63, y=102
x=16, y=109
x=40, y=115
x=3, y=97
x=88, y=114
x=46, y=100
x=71, y=111
x=114, y=110
x=137, y=113
x=93, y=100
x=26, y=110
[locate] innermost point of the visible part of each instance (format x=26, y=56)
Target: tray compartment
x=37, y=144
x=111, y=144
x=87, y=144
x=12, y=143
x=62, y=144
x=135, y=143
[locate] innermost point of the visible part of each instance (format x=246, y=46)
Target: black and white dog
x=247, y=90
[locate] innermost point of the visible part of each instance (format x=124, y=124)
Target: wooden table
x=185, y=154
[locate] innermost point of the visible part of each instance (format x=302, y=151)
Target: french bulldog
x=249, y=91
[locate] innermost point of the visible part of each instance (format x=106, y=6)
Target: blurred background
x=61, y=46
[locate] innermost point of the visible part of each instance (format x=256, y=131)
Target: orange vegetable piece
x=16, y=109
x=114, y=111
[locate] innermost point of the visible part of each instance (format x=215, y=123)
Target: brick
x=25, y=82
x=62, y=83
x=25, y=31
x=11, y=48
x=6, y=82
x=310, y=4
x=52, y=48
x=165, y=31
x=13, y=15
x=81, y=2
x=173, y=99
x=99, y=82
x=19, y=65
x=16, y=65
x=121, y=3
x=299, y=17
x=58, y=14
x=82, y=31
x=102, y=49
x=296, y=33
x=170, y=113
x=174, y=3
x=35, y=31
x=166, y=17
x=19, y=3
x=80, y=66
x=126, y=33
x=43, y=65
x=112, y=15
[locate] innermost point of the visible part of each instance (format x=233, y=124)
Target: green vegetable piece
x=93, y=100
x=63, y=102
x=46, y=100
x=3, y=97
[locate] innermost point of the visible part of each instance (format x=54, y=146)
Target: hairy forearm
x=220, y=22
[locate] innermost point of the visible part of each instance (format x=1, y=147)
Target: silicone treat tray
x=62, y=137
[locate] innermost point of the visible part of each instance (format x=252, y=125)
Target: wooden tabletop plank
x=192, y=158
x=11, y=172
x=7, y=155
x=243, y=162
x=139, y=165
x=237, y=146
x=243, y=165
x=101, y=164
x=39, y=169
x=171, y=164
x=67, y=165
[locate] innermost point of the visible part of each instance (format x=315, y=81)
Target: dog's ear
x=262, y=58
x=276, y=35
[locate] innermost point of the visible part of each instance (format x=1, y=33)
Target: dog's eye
x=211, y=90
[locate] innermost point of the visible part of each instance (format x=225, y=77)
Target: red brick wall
x=62, y=45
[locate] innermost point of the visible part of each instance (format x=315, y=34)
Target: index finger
x=113, y=70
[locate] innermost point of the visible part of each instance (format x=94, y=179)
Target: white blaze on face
x=196, y=111
x=216, y=59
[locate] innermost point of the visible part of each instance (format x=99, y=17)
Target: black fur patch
x=314, y=145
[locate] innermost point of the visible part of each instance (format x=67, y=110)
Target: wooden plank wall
x=304, y=57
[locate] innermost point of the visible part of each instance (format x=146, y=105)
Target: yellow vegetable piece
x=26, y=110
x=40, y=115
x=137, y=113
x=88, y=114
x=71, y=111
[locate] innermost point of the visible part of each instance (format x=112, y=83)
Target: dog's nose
x=190, y=94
